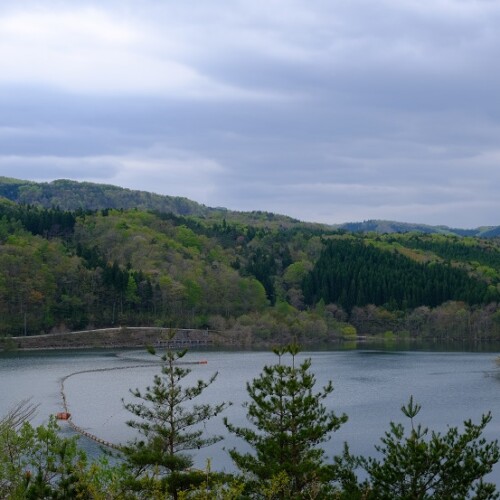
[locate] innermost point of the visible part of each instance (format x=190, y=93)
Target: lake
x=371, y=384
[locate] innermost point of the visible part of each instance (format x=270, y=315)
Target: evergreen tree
x=290, y=422
x=169, y=425
x=423, y=465
x=354, y=273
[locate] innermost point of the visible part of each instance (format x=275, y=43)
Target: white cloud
x=326, y=110
x=92, y=50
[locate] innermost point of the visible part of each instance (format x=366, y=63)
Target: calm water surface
x=370, y=387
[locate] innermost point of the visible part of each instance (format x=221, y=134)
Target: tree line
x=62, y=270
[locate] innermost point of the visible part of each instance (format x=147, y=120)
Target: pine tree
x=425, y=465
x=169, y=424
x=290, y=423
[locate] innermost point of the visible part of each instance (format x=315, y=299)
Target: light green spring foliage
x=35, y=462
x=215, y=486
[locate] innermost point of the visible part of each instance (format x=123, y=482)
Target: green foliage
x=393, y=228
x=29, y=270
x=187, y=265
x=348, y=332
x=353, y=273
x=36, y=462
x=47, y=222
x=467, y=249
x=72, y=195
x=188, y=238
x=290, y=422
x=422, y=465
x=169, y=425
x=216, y=486
x=262, y=265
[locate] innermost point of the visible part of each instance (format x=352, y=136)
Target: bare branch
x=20, y=413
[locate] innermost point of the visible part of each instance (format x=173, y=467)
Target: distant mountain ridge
x=387, y=227
x=74, y=195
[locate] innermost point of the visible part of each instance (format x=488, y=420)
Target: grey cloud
x=334, y=111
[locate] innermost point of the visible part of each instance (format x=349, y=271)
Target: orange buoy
x=63, y=415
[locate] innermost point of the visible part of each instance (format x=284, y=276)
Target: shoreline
x=112, y=338
x=135, y=337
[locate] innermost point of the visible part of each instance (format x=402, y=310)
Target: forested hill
x=73, y=195
x=255, y=277
x=386, y=227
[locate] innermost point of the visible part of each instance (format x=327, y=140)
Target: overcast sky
x=327, y=110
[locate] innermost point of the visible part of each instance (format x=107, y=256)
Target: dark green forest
x=259, y=277
x=353, y=273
